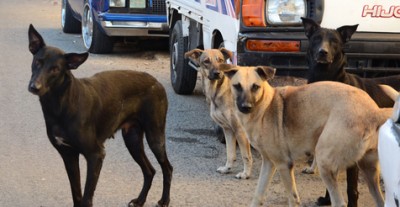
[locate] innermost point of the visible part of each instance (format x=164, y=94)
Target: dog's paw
x=323, y=201
x=134, y=203
x=308, y=170
x=224, y=170
x=242, y=175
x=162, y=204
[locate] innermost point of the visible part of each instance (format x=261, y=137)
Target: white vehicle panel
x=389, y=158
x=371, y=15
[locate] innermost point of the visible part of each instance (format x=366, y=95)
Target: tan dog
x=218, y=94
x=389, y=91
x=336, y=121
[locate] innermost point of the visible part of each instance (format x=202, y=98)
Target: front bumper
x=134, y=24
x=367, y=53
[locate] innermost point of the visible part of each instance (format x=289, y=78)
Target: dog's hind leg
x=133, y=138
x=267, y=172
x=230, y=151
x=156, y=140
x=329, y=177
x=71, y=162
x=352, y=185
x=370, y=168
x=245, y=150
x=286, y=173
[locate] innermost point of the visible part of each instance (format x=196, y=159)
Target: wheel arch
x=217, y=39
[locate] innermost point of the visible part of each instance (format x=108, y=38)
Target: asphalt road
x=31, y=171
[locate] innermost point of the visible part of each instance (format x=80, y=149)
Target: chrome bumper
x=121, y=28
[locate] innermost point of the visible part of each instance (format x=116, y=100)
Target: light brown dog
x=336, y=121
x=218, y=94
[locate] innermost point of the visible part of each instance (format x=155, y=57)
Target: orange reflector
x=273, y=45
x=253, y=13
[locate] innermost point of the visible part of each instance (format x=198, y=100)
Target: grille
x=158, y=7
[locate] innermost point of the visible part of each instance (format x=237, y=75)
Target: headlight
x=117, y=3
x=285, y=12
x=137, y=4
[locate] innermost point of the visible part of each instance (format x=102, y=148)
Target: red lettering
x=378, y=11
x=367, y=11
x=396, y=12
x=388, y=14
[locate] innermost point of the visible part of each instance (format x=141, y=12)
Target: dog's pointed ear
x=194, y=55
x=36, y=41
x=74, y=60
x=265, y=72
x=347, y=31
x=310, y=26
x=228, y=69
x=227, y=53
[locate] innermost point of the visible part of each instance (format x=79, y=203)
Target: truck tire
x=68, y=22
x=94, y=39
x=183, y=77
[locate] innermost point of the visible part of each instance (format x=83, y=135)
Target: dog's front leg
x=286, y=173
x=71, y=162
x=266, y=173
x=230, y=152
x=94, y=164
x=245, y=150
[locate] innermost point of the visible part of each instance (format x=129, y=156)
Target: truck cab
x=261, y=32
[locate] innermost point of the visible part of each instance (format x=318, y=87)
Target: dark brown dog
x=326, y=59
x=80, y=114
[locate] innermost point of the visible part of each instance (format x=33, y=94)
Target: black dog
x=80, y=114
x=326, y=60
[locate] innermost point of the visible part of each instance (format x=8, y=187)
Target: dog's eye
x=207, y=61
x=255, y=87
x=220, y=60
x=238, y=87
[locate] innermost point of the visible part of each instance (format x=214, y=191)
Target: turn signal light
x=273, y=45
x=253, y=13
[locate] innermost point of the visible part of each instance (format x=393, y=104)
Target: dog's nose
x=245, y=108
x=34, y=88
x=322, y=52
x=214, y=75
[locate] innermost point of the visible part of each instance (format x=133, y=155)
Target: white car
x=389, y=157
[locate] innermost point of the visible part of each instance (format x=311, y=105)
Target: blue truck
x=101, y=21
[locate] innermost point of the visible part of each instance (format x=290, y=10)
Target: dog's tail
x=391, y=92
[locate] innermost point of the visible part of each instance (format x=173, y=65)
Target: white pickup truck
x=262, y=32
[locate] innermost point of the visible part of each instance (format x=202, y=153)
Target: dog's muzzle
x=34, y=87
x=323, y=57
x=214, y=75
x=245, y=108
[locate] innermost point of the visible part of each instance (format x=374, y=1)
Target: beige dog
x=336, y=121
x=218, y=94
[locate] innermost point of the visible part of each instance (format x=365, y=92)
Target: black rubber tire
x=183, y=77
x=68, y=22
x=95, y=40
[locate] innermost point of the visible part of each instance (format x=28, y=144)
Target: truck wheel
x=68, y=23
x=183, y=77
x=94, y=40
